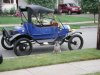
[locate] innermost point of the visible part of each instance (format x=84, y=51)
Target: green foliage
x=45, y=3
x=12, y=11
x=90, y=6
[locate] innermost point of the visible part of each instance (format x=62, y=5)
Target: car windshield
x=43, y=19
x=72, y=4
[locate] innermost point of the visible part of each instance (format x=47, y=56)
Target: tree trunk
x=98, y=33
x=94, y=18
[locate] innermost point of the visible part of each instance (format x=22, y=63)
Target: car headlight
x=80, y=8
x=67, y=27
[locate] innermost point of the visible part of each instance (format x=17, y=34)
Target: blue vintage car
x=20, y=39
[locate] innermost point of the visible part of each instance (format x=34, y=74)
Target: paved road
x=89, y=35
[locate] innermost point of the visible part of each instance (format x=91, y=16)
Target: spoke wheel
x=75, y=42
x=23, y=47
x=5, y=45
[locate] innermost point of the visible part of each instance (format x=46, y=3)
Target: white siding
x=69, y=1
x=22, y=3
x=8, y=6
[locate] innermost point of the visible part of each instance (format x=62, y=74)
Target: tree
x=90, y=6
x=45, y=3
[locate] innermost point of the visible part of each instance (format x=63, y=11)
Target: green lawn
x=79, y=25
x=9, y=28
x=63, y=18
x=49, y=59
x=70, y=18
x=9, y=20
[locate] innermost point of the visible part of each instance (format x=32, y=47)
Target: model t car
x=22, y=38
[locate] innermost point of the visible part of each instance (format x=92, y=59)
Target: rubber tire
x=4, y=46
x=1, y=59
x=71, y=38
x=16, y=43
x=79, y=13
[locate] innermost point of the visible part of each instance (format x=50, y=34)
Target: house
x=68, y=1
x=9, y=4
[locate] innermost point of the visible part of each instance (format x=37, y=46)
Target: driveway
x=89, y=35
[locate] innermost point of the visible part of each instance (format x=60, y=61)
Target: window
x=8, y=1
x=71, y=4
x=12, y=1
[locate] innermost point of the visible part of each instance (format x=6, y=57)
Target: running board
x=45, y=41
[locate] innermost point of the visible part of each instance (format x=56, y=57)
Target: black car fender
x=72, y=33
x=18, y=36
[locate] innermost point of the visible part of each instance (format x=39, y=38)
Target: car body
x=69, y=8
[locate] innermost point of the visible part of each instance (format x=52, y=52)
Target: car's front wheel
x=22, y=47
x=75, y=42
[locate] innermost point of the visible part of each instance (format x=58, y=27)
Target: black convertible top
x=36, y=9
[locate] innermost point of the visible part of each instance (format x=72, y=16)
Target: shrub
x=5, y=12
x=12, y=11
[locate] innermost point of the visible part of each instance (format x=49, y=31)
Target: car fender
x=73, y=32
x=18, y=36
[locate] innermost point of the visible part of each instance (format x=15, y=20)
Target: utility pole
x=98, y=33
x=0, y=6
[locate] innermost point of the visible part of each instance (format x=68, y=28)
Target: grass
x=49, y=59
x=75, y=26
x=9, y=20
x=9, y=28
x=70, y=18
x=63, y=18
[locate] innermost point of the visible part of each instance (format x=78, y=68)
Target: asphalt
x=74, y=68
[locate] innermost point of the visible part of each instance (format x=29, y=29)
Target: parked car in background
x=69, y=8
x=1, y=58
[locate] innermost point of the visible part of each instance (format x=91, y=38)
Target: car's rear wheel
x=5, y=45
x=22, y=47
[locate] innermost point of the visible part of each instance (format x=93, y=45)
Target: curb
x=84, y=27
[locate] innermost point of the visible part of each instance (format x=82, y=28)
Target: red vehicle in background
x=69, y=8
